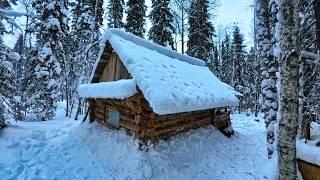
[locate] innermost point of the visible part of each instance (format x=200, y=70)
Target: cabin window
x=113, y=118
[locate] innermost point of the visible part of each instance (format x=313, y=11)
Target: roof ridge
x=153, y=46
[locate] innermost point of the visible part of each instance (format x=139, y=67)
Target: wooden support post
x=153, y=129
x=137, y=119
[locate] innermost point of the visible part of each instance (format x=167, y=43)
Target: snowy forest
x=44, y=119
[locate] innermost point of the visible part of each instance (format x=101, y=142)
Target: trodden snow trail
x=28, y=147
x=63, y=149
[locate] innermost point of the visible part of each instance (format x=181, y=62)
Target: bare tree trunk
x=67, y=97
x=86, y=115
x=78, y=110
x=2, y=118
x=182, y=29
x=289, y=96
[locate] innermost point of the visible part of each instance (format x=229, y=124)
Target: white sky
x=229, y=12
x=236, y=11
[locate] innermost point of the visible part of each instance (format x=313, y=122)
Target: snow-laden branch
x=311, y=55
x=12, y=13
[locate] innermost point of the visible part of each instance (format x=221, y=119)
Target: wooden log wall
x=138, y=119
x=309, y=171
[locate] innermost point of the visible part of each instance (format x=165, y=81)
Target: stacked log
x=138, y=119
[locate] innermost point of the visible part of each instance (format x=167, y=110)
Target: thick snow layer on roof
x=171, y=82
x=116, y=89
x=309, y=151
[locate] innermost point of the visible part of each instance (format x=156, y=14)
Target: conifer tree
x=162, y=28
x=47, y=59
x=238, y=63
x=201, y=31
x=7, y=86
x=19, y=65
x=268, y=69
x=115, y=13
x=83, y=53
x=249, y=80
x=215, y=65
x=238, y=59
x=226, y=60
x=6, y=83
x=136, y=14
x=99, y=11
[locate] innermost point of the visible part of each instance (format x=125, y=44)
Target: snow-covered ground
x=66, y=149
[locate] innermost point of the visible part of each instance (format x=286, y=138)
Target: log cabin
x=153, y=92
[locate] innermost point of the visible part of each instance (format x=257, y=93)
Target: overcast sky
x=236, y=11
x=229, y=12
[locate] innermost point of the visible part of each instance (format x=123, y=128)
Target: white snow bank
x=116, y=89
x=171, y=82
x=308, y=152
x=60, y=149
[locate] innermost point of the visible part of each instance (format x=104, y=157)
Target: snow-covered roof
x=116, y=89
x=171, y=82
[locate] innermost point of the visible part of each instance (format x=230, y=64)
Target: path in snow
x=61, y=149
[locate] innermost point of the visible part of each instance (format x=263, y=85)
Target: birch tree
x=289, y=95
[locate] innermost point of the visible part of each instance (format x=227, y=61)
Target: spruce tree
x=268, y=71
x=115, y=13
x=84, y=53
x=162, y=28
x=215, y=65
x=238, y=59
x=48, y=58
x=99, y=11
x=249, y=80
x=201, y=31
x=6, y=81
x=238, y=63
x=136, y=14
x=226, y=60
x=7, y=87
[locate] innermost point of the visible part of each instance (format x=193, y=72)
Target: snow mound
x=308, y=152
x=63, y=149
x=116, y=89
x=171, y=82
